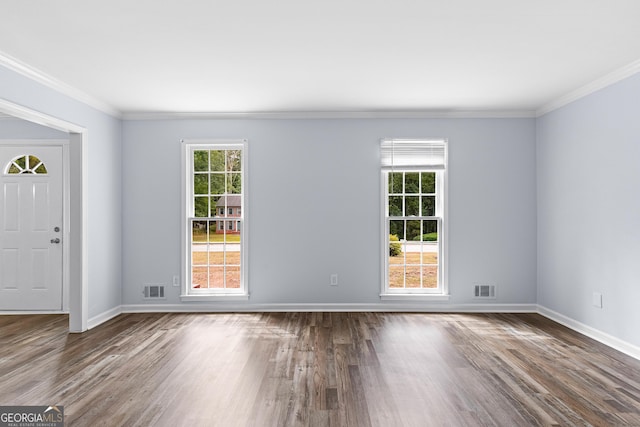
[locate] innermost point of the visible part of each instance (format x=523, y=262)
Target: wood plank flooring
x=318, y=369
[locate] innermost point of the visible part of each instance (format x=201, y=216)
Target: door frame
x=64, y=145
x=76, y=271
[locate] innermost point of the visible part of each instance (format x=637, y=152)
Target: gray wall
x=104, y=158
x=328, y=171
x=588, y=175
x=11, y=128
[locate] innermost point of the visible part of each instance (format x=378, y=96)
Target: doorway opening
x=77, y=212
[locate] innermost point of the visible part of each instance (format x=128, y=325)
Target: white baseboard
x=260, y=308
x=606, y=339
x=103, y=317
x=15, y=312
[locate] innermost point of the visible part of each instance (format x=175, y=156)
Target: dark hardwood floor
x=318, y=369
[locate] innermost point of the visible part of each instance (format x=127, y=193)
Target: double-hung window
x=215, y=231
x=413, y=185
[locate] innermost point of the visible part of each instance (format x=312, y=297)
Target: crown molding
x=589, y=88
x=32, y=73
x=302, y=115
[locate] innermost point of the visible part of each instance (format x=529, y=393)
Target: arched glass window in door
x=26, y=164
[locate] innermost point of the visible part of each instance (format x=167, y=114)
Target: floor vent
x=485, y=291
x=153, y=291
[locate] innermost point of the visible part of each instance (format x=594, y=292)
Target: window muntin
x=413, y=197
x=216, y=259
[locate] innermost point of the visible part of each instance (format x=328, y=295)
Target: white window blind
x=413, y=154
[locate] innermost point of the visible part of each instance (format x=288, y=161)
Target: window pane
x=201, y=207
x=430, y=253
x=216, y=276
x=232, y=234
x=199, y=231
x=430, y=276
x=411, y=182
x=395, y=182
x=395, y=206
x=232, y=258
x=428, y=205
x=395, y=247
x=217, y=183
x=201, y=161
x=215, y=202
x=396, y=276
x=199, y=277
x=33, y=161
x=200, y=183
x=430, y=230
x=413, y=230
x=398, y=258
x=412, y=254
x=428, y=182
x=199, y=255
x=216, y=251
x=412, y=206
x=396, y=228
x=232, y=275
x=412, y=276
x=234, y=160
x=22, y=162
x=234, y=183
x=217, y=160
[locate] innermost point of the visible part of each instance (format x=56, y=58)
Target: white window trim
x=416, y=294
x=203, y=295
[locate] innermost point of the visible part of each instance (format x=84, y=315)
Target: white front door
x=31, y=243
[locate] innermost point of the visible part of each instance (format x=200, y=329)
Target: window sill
x=414, y=297
x=216, y=297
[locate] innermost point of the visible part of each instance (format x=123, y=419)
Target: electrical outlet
x=176, y=281
x=334, y=279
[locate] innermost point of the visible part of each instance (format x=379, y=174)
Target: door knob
x=56, y=240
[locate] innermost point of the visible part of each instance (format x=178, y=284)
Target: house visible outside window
x=215, y=255
x=414, y=218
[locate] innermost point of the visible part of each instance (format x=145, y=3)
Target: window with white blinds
x=413, y=187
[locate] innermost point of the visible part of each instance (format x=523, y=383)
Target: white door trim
x=76, y=215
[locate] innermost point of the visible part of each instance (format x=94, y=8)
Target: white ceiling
x=329, y=55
